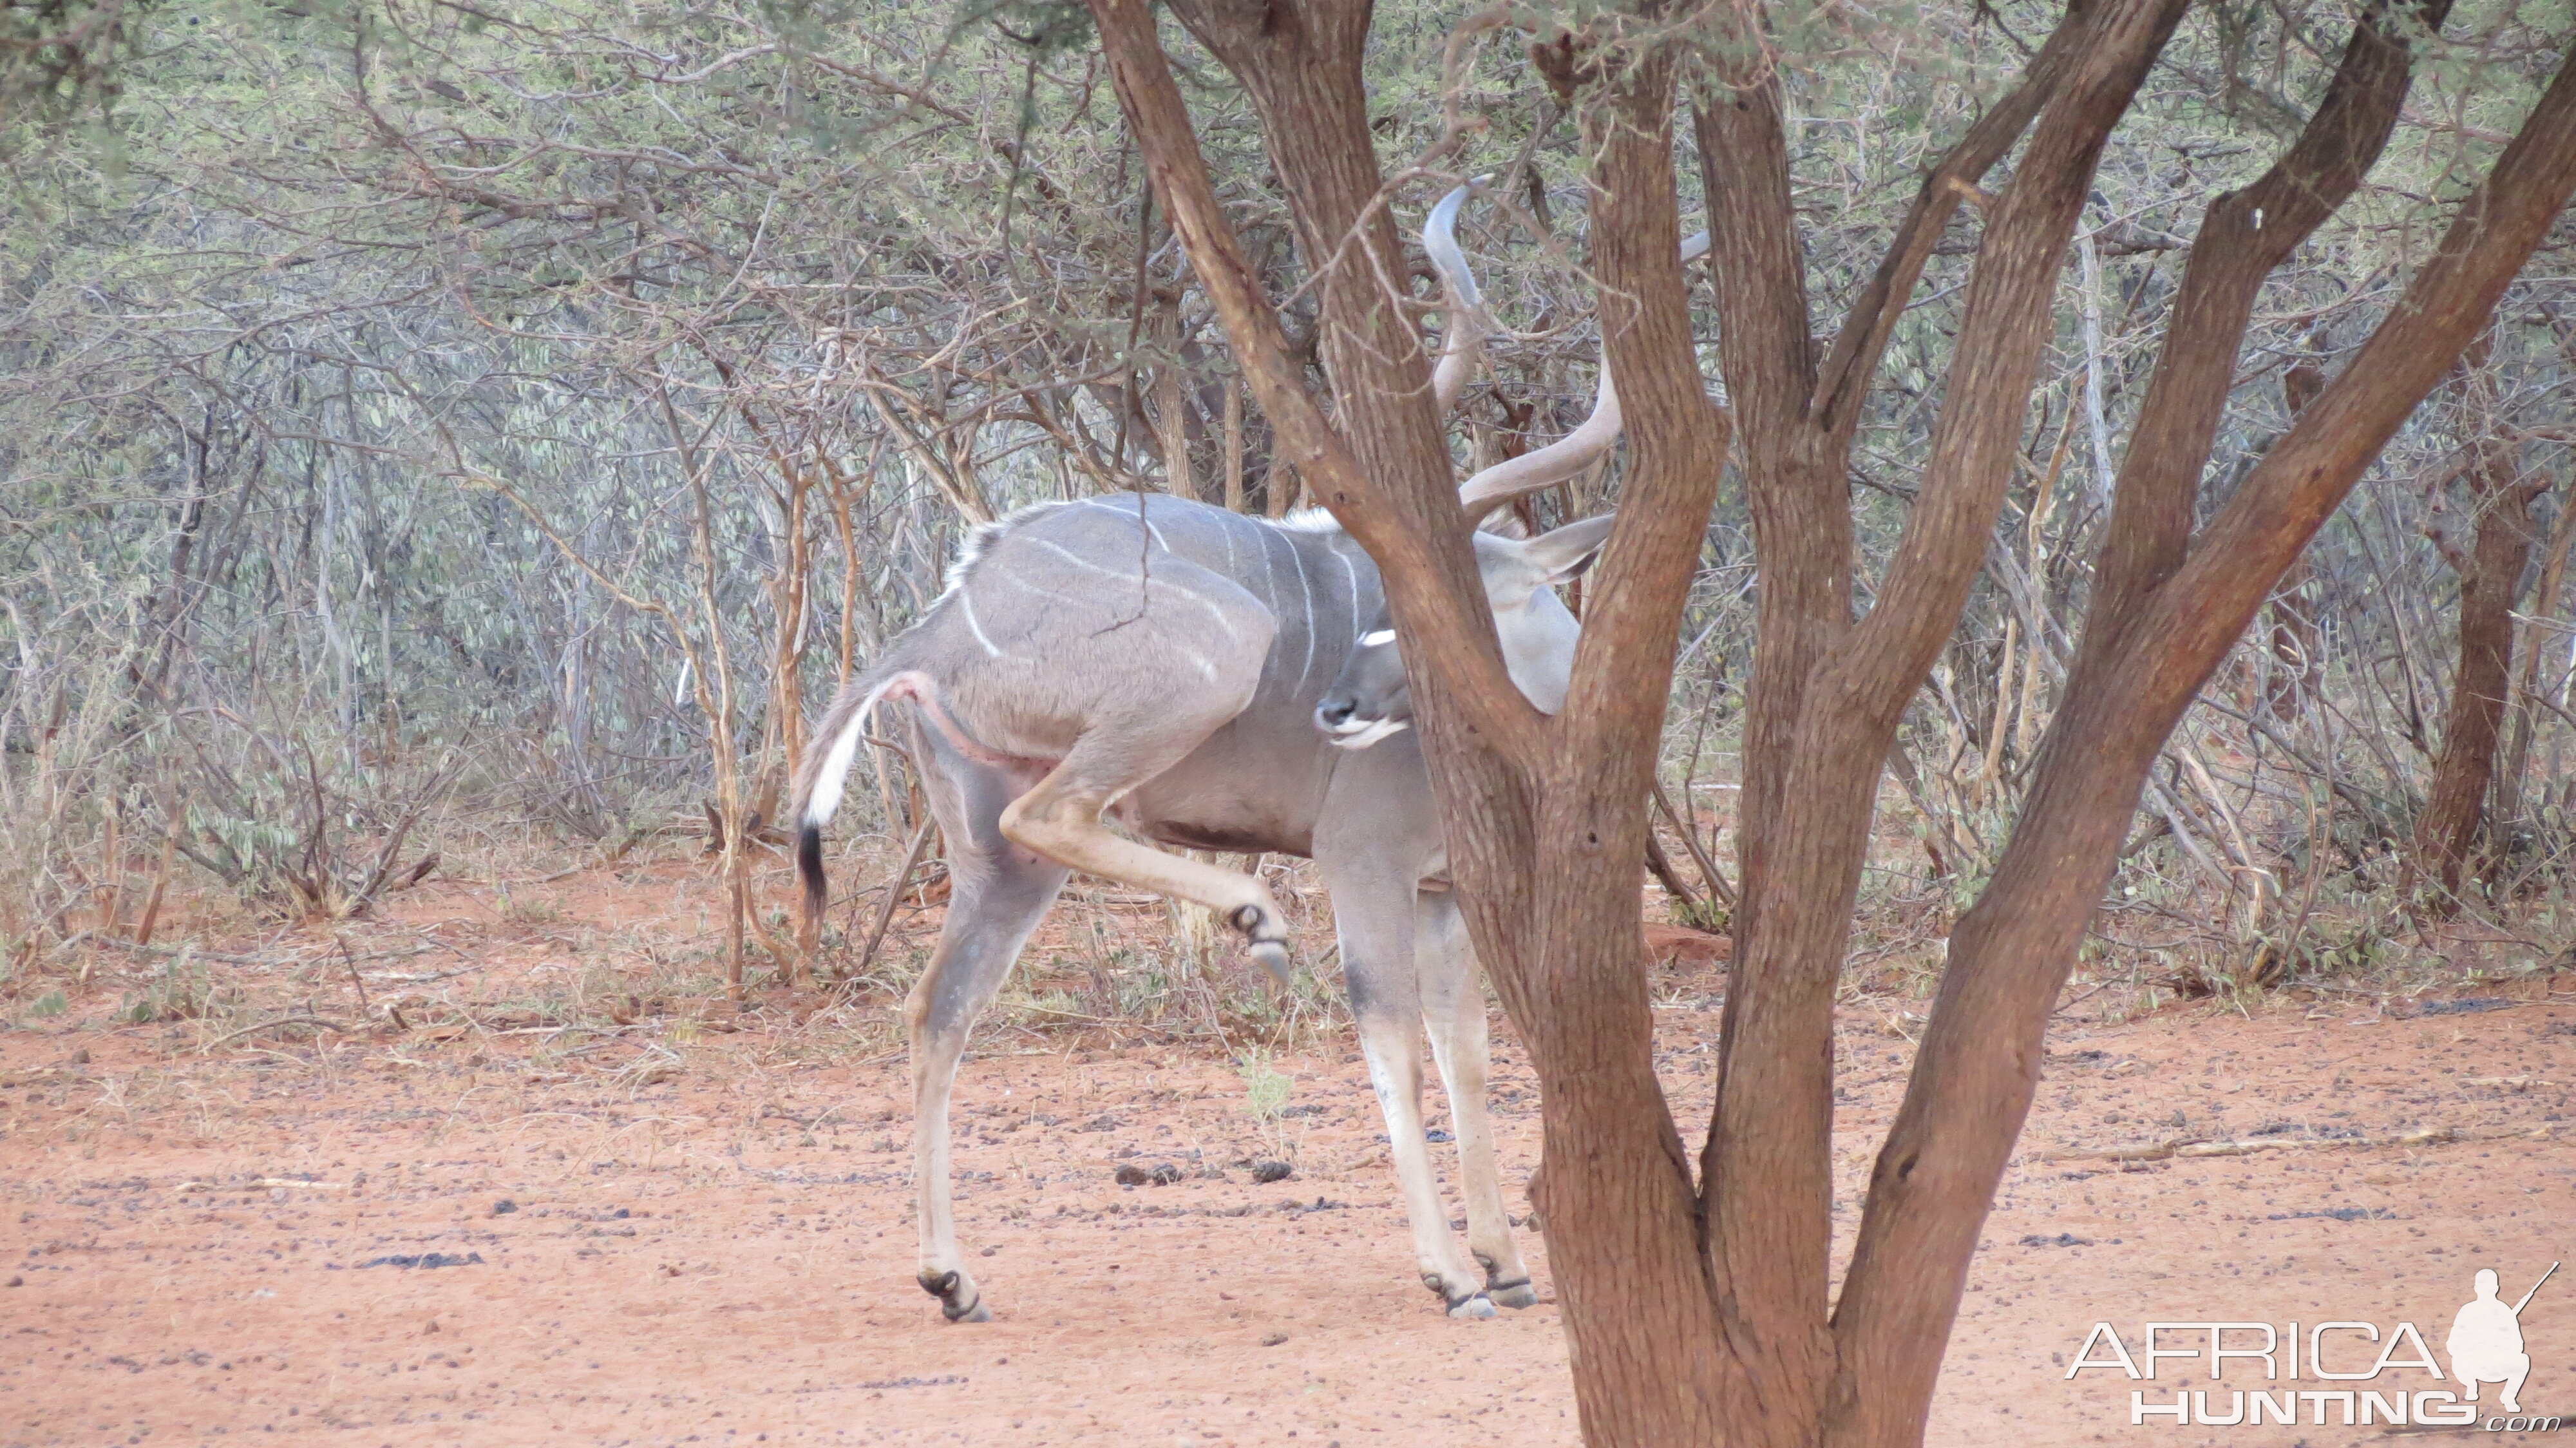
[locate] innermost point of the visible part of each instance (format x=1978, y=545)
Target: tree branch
x=2243, y=237
x=1853, y=359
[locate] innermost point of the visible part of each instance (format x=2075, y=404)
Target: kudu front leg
x=1453, y=1012
x=1394, y=1051
x=1373, y=911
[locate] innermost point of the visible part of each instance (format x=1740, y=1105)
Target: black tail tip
x=809, y=860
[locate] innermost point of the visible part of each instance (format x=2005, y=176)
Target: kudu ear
x=1563, y=554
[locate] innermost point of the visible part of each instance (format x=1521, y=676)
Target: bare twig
x=893, y=897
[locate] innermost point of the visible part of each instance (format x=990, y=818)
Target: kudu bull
x=1187, y=671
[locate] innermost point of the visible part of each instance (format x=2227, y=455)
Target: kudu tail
x=826, y=773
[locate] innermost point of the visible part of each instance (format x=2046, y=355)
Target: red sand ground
x=711, y=1240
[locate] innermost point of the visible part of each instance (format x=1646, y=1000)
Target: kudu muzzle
x=1369, y=699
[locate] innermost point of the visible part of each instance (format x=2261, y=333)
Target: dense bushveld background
x=426, y=422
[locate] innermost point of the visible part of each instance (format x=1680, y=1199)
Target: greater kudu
x=1161, y=662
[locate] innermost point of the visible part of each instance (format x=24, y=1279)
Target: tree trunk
x=2517, y=761
x=1622, y=1215
x=2490, y=584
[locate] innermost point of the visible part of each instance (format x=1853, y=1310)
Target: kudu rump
x=1188, y=671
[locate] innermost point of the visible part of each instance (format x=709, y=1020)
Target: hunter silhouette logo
x=2486, y=1341
x=2353, y=1387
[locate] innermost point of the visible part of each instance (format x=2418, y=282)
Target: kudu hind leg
x=999, y=894
x=1060, y=819
x=1453, y=1011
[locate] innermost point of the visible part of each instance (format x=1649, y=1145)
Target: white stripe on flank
x=1352, y=575
x=1308, y=590
x=968, y=604
x=1269, y=588
x=1042, y=591
x=1134, y=515
x=1217, y=613
x=1078, y=561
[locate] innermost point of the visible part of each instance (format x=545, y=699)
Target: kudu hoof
x=1512, y=1294
x=1273, y=957
x=946, y=1286
x=1263, y=940
x=1470, y=1304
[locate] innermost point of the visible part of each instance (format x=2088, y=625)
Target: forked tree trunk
x=1768, y=1163
x=2490, y=573
x=1698, y=1313
x=2167, y=608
